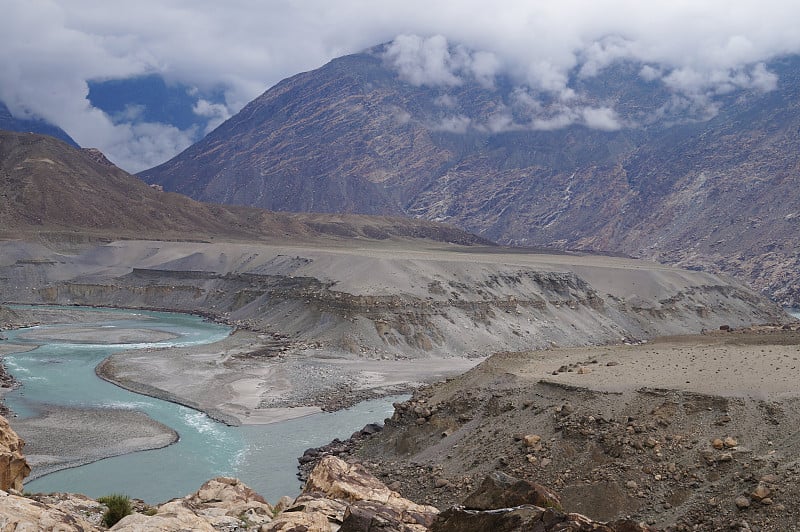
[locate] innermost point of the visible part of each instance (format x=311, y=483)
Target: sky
x=51, y=50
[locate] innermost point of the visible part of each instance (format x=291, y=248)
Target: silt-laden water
x=263, y=456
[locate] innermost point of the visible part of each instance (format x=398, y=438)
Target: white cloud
x=650, y=73
x=453, y=124
x=423, y=61
x=215, y=112
x=434, y=62
x=50, y=48
x=601, y=118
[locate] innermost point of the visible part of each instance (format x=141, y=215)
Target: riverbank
x=246, y=379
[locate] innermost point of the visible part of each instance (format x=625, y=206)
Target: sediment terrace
x=366, y=317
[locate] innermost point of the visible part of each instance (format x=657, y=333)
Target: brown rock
x=500, y=490
x=282, y=504
x=349, y=483
x=366, y=516
x=717, y=443
x=298, y=522
x=13, y=466
x=770, y=478
x=531, y=439
x=220, y=504
x=230, y=497
x=761, y=492
x=730, y=442
x=742, y=502
x=174, y=515
x=525, y=517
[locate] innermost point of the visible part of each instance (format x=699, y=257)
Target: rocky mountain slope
x=62, y=194
x=704, y=180
x=688, y=433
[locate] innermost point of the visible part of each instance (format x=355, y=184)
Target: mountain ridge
x=47, y=186
x=352, y=136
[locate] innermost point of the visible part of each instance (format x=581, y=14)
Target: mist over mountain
x=9, y=122
x=151, y=99
x=700, y=174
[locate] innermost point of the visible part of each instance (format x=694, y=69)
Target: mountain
x=150, y=98
x=48, y=186
x=23, y=125
x=700, y=181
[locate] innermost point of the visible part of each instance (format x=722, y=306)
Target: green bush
x=118, y=507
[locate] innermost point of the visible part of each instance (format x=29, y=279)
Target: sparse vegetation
x=119, y=506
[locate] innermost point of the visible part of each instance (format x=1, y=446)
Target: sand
x=61, y=437
x=97, y=335
x=227, y=382
x=746, y=364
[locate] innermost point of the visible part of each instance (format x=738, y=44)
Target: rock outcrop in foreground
x=13, y=466
x=337, y=497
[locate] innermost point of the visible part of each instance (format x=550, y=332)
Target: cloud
x=423, y=61
x=215, y=112
x=698, y=50
x=453, y=124
x=433, y=62
x=603, y=118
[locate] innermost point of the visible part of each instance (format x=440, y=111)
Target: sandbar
x=62, y=437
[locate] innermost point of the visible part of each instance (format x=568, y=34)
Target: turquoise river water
x=263, y=456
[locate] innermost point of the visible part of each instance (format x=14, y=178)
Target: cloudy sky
x=51, y=49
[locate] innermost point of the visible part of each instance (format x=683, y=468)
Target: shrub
x=118, y=507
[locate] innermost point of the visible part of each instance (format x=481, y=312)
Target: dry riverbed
x=246, y=379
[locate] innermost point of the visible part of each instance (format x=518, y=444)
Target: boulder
x=13, y=466
x=365, y=499
x=500, y=490
x=298, y=522
x=21, y=513
x=173, y=516
x=364, y=516
x=222, y=503
x=228, y=497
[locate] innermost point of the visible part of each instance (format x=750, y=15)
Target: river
x=61, y=372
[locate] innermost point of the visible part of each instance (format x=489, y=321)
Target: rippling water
x=263, y=456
